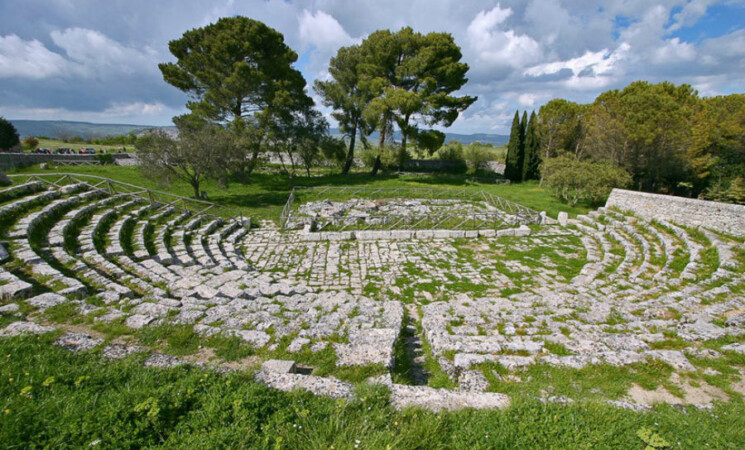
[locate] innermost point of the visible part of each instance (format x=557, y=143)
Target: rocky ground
x=654, y=308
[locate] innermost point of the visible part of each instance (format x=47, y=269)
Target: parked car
x=43, y=150
x=87, y=151
x=64, y=151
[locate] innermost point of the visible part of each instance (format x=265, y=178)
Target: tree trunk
x=376, y=166
x=195, y=186
x=350, y=153
x=381, y=144
x=404, y=135
x=252, y=163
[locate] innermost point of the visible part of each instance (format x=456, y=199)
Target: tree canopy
x=346, y=96
x=8, y=135
x=666, y=137
x=197, y=154
x=401, y=79
x=236, y=68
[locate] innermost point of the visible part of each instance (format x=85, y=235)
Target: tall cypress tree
x=532, y=153
x=521, y=153
x=512, y=171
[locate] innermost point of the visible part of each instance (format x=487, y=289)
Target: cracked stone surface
x=604, y=288
x=78, y=342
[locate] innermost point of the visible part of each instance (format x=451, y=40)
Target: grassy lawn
x=54, y=144
x=262, y=195
x=52, y=398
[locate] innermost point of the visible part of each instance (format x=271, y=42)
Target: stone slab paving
x=606, y=288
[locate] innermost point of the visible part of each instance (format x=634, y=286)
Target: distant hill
x=495, y=139
x=66, y=129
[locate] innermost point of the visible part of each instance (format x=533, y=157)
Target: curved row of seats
x=77, y=240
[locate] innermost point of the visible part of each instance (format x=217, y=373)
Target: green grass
x=263, y=195
x=53, y=398
x=54, y=144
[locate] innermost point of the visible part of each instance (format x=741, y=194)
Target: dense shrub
x=450, y=153
x=722, y=191
x=368, y=156
x=573, y=181
x=31, y=143
x=476, y=158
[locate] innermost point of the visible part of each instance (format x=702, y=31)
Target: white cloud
x=673, y=51
x=691, y=12
x=94, y=52
x=28, y=59
x=322, y=31
x=493, y=45
x=593, y=70
x=135, y=113
x=521, y=53
x=528, y=99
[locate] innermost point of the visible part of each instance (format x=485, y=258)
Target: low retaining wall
x=723, y=217
x=383, y=235
x=12, y=160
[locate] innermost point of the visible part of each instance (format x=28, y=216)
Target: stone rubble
x=604, y=288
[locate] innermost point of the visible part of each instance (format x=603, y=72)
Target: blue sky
x=97, y=61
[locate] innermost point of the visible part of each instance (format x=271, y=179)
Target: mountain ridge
x=61, y=129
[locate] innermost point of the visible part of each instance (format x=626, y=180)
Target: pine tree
x=532, y=150
x=512, y=171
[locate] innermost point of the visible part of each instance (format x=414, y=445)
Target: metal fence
x=506, y=213
x=156, y=198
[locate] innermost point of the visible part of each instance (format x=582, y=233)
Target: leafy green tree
x=234, y=69
x=430, y=140
x=557, y=127
x=345, y=94
x=657, y=118
x=197, y=154
x=411, y=77
x=532, y=161
x=8, y=135
x=515, y=146
x=238, y=72
x=717, y=149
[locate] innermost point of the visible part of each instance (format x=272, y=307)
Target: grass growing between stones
x=54, y=398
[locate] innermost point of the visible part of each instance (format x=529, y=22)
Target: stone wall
x=12, y=160
x=724, y=217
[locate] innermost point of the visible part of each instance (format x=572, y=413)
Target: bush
x=4, y=180
x=105, y=159
x=368, y=156
x=451, y=152
x=573, y=181
x=476, y=158
x=31, y=143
